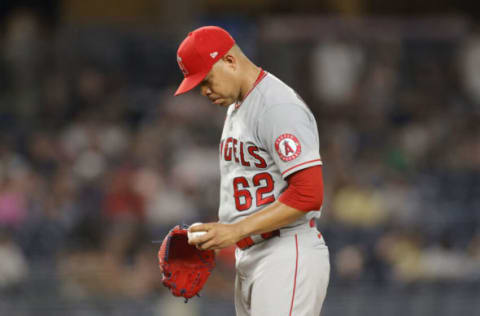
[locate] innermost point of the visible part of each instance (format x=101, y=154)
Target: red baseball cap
x=198, y=52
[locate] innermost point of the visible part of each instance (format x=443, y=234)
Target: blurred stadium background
x=97, y=159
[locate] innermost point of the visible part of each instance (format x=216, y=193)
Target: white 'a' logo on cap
x=182, y=66
x=213, y=55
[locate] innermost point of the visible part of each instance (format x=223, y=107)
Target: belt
x=249, y=241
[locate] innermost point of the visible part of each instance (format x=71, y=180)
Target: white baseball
x=191, y=235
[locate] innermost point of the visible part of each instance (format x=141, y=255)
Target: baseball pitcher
x=271, y=179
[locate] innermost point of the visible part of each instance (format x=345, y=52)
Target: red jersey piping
x=300, y=164
x=295, y=277
x=262, y=75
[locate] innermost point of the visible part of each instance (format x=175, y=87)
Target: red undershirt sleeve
x=305, y=190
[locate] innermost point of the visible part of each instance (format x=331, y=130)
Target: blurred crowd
x=400, y=125
x=98, y=160
x=96, y=164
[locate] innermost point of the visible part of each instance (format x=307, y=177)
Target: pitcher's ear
x=230, y=60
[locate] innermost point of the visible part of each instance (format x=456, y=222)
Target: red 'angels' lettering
x=261, y=162
x=233, y=148
x=228, y=149
x=244, y=163
x=243, y=198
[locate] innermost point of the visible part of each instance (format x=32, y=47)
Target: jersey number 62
x=263, y=182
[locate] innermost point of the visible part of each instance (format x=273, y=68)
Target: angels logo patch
x=288, y=147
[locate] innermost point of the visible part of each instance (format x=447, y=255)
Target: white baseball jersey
x=271, y=135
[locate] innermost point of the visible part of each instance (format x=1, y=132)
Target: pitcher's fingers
x=208, y=245
x=200, y=228
x=201, y=239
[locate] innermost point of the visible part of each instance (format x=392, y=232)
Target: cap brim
x=190, y=82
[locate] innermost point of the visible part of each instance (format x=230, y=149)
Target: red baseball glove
x=185, y=268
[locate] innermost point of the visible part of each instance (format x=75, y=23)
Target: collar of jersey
x=261, y=75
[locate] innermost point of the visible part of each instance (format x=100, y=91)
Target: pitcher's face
x=220, y=85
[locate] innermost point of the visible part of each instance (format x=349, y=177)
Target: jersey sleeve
x=289, y=133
